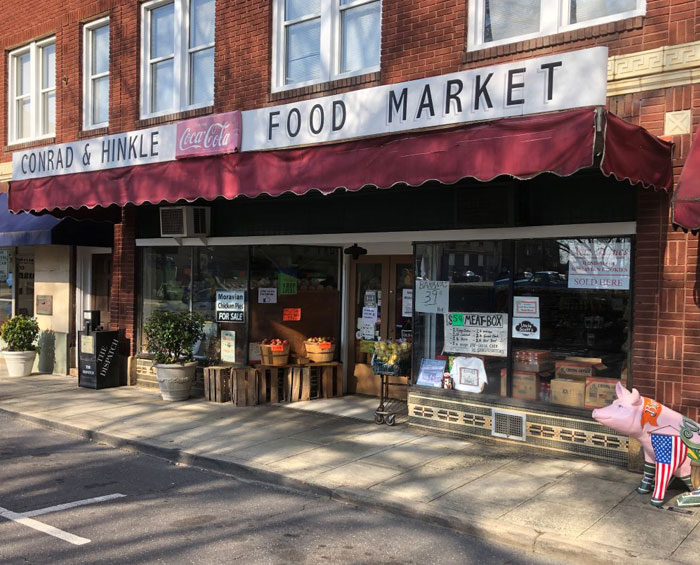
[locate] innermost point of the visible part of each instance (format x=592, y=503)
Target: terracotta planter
x=19, y=363
x=176, y=380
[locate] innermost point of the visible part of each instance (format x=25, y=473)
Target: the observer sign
x=545, y=84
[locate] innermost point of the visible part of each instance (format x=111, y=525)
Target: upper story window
x=497, y=22
x=32, y=91
x=177, y=56
x=96, y=74
x=321, y=40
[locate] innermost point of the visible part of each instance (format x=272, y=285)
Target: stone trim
x=664, y=67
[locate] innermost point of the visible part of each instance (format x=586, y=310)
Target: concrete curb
x=528, y=539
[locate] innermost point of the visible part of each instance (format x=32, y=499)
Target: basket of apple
x=274, y=351
x=320, y=349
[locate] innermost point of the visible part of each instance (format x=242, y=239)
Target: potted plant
x=171, y=337
x=19, y=334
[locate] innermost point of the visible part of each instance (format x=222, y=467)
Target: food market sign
x=478, y=333
x=220, y=133
x=602, y=263
x=533, y=86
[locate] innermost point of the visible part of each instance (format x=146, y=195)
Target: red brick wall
x=419, y=38
x=123, y=291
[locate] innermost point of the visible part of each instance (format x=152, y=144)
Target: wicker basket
x=323, y=352
x=695, y=474
x=274, y=354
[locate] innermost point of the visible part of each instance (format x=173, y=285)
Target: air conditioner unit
x=184, y=221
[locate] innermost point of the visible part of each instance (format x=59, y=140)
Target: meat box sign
x=532, y=86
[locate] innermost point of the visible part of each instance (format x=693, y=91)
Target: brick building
x=261, y=57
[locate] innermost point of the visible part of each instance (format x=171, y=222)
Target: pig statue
x=636, y=416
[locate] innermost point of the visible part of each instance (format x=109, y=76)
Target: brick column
x=123, y=291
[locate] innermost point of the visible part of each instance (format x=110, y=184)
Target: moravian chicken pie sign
x=545, y=84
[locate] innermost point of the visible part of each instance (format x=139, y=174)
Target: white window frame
x=553, y=17
x=331, y=11
x=35, y=91
x=181, y=59
x=88, y=77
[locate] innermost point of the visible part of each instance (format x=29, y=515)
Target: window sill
x=325, y=87
x=30, y=144
x=571, y=36
x=174, y=117
x=95, y=132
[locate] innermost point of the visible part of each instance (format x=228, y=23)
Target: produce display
x=320, y=340
x=392, y=357
x=320, y=349
x=275, y=341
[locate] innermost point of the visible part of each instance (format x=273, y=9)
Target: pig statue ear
x=635, y=398
x=621, y=391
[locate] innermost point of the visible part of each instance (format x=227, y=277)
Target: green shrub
x=171, y=336
x=20, y=333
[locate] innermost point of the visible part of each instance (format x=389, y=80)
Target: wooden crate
x=271, y=387
x=244, y=387
x=217, y=384
x=318, y=380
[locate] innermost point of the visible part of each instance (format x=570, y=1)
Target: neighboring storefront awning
x=522, y=147
x=686, y=200
x=27, y=229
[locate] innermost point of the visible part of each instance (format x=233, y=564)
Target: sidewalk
x=567, y=508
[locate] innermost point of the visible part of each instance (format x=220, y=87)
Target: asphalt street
x=141, y=509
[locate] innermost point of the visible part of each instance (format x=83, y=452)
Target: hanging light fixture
x=355, y=251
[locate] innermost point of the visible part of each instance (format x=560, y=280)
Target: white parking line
x=68, y=505
x=25, y=518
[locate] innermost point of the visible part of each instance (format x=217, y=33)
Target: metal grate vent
x=509, y=425
x=172, y=222
x=199, y=220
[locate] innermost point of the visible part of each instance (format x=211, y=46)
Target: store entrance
x=380, y=309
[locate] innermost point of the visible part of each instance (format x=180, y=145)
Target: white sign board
x=230, y=306
x=478, y=333
x=526, y=328
x=602, y=263
x=366, y=331
x=532, y=86
x=228, y=346
x=4, y=264
x=267, y=295
x=128, y=149
x=407, y=302
x=432, y=297
x=369, y=315
x=370, y=297
x=528, y=306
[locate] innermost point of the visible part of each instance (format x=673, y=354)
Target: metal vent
x=199, y=220
x=172, y=221
x=508, y=425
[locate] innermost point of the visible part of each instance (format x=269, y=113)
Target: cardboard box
x=600, y=392
x=569, y=392
x=526, y=384
x=573, y=370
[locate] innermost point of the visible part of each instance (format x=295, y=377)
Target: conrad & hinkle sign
x=545, y=84
x=209, y=135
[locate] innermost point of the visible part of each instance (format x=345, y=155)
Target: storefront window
x=537, y=320
x=6, y=283
x=295, y=294
x=186, y=279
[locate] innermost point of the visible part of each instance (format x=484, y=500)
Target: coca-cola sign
x=209, y=135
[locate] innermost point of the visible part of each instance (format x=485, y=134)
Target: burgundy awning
x=560, y=143
x=686, y=200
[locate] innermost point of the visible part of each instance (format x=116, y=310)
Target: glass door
x=380, y=310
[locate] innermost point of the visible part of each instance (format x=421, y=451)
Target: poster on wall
x=407, y=302
x=291, y=315
x=526, y=328
x=526, y=306
x=431, y=371
x=4, y=264
x=267, y=296
x=369, y=315
x=230, y=306
x=478, y=333
x=287, y=284
x=598, y=263
x=432, y=297
x=370, y=298
x=228, y=346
